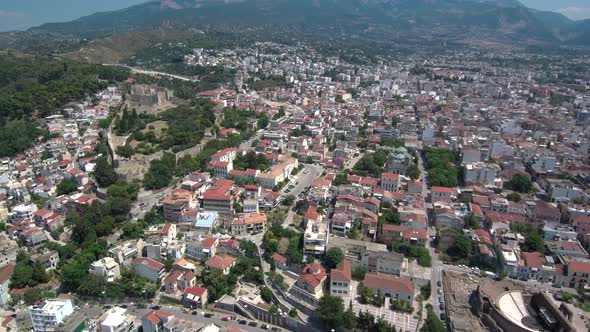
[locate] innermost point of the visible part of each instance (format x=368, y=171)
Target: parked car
x=443, y=317
x=225, y=319
x=208, y=315
x=438, y=283
x=440, y=291
x=441, y=300
x=194, y=313
x=441, y=306
x=253, y=324
x=242, y=322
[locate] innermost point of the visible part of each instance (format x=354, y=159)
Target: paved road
x=215, y=319
x=152, y=72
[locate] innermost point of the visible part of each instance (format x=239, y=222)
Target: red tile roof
x=279, y=258
x=581, y=267
x=342, y=272
x=6, y=273
x=312, y=214
x=444, y=190
x=208, y=242
x=387, y=282
x=534, y=259
x=155, y=265
x=220, y=262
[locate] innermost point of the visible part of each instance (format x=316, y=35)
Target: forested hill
x=33, y=87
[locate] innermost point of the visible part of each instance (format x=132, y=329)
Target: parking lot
x=402, y=322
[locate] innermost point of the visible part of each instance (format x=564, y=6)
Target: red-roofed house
x=221, y=262
x=219, y=197
x=156, y=321
x=280, y=261
x=177, y=281
x=415, y=236
x=148, y=268
x=536, y=266
x=310, y=284
x=341, y=279
x=195, y=297
x=576, y=274
x=252, y=224
x=444, y=193
x=390, y=286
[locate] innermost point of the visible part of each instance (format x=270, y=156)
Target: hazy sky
x=22, y=14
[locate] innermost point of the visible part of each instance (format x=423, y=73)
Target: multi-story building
x=107, y=268
x=117, y=320
x=251, y=224
x=563, y=190
x=576, y=274
x=5, y=275
x=341, y=279
x=415, y=236
x=390, y=286
x=201, y=249
x=174, y=205
x=148, y=268
x=8, y=251
x=219, y=197
x=278, y=173
x=315, y=238
x=481, y=173
x=47, y=316
x=390, y=181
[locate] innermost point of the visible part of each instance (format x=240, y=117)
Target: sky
x=22, y=14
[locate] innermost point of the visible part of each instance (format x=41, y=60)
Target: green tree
x=461, y=248
x=331, y=311
x=293, y=313
x=521, y=183
x=66, y=186
x=104, y=174
x=426, y=291
x=513, y=197
x=534, y=243
x=288, y=200
x=125, y=151
x=348, y=319
x=358, y=272
x=432, y=323
x=266, y=294
x=333, y=257
x=366, y=295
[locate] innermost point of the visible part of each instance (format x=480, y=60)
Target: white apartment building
x=481, y=173
x=106, y=268
x=117, y=320
x=49, y=315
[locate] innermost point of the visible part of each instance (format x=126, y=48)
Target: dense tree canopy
x=104, y=174
x=521, y=183
x=34, y=87
x=461, y=248
x=334, y=256
x=441, y=166
x=331, y=311
x=66, y=186
x=533, y=242
x=371, y=164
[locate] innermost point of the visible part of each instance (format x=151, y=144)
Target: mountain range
x=506, y=21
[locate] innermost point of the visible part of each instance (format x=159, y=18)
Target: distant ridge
x=493, y=20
